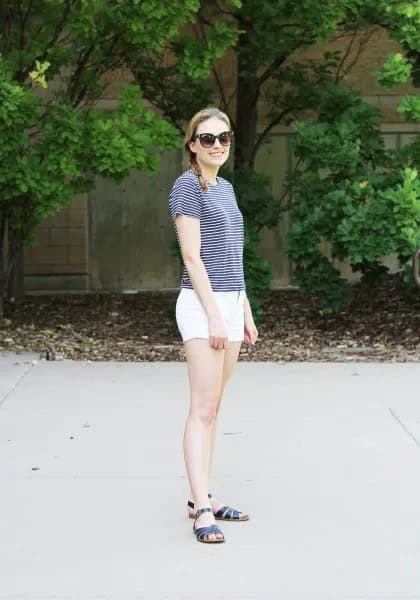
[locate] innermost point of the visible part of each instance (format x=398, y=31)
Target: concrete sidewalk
x=324, y=457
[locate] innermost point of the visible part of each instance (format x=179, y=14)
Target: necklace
x=210, y=182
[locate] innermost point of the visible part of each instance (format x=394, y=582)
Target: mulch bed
x=380, y=325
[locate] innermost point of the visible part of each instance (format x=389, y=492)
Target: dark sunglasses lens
x=225, y=138
x=207, y=140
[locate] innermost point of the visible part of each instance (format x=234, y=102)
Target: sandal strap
x=191, y=504
x=228, y=513
x=201, y=532
x=200, y=511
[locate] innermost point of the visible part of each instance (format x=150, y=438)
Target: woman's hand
x=218, y=337
x=250, y=331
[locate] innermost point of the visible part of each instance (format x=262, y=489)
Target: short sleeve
x=185, y=198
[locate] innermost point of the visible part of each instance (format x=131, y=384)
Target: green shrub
x=351, y=194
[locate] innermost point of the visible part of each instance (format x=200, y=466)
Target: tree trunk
x=246, y=109
x=15, y=288
x=3, y=260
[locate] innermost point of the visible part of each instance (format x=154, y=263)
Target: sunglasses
x=207, y=139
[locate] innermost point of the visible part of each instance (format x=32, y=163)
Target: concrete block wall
x=57, y=259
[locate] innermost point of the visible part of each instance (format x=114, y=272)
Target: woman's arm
x=188, y=229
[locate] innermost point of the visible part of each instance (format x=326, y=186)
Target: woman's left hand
x=250, y=331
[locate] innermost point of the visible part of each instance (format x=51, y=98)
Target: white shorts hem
x=192, y=320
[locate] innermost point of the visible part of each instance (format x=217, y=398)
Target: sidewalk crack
x=15, y=385
x=408, y=432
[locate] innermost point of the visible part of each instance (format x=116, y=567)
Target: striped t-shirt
x=221, y=229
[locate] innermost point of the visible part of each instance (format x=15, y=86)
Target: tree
x=401, y=19
x=269, y=78
x=350, y=192
x=270, y=33
x=345, y=183
x=54, y=56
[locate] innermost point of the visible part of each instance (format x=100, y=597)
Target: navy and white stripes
x=221, y=229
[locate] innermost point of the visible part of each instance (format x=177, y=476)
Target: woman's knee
x=205, y=408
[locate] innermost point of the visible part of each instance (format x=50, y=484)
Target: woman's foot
x=206, y=519
x=215, y=506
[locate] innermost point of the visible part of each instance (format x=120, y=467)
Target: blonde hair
x=200, y=117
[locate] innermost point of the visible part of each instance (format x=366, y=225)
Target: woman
x=212, y=311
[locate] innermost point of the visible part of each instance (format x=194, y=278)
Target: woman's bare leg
x=230, y=360
x=205, y=373
x=231, y=355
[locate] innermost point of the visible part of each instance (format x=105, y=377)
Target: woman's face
x=217, y=155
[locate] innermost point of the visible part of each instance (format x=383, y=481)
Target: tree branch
x=62, y=22
x=201, y=34
x=77, y=74
x=5, y=25
x=223, y=11
x=279, y=60
x=100, y=68
x=202, y=18
x=23, y=73
x=220, y=87
x=21, y=26
x=268, y=128
x=362, y=45
x=27, y=13
x=345, y=56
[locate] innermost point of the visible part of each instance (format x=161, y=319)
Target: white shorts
x=192, y=319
